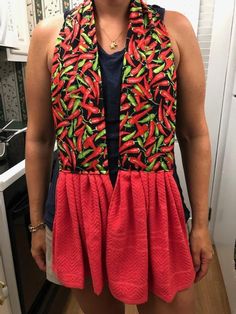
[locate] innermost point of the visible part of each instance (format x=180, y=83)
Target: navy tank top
x=111, y=67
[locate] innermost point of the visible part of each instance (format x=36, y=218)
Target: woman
x=113, y=241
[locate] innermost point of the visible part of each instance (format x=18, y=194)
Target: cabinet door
x=8, y=31
x=5, y=307
x=20, y=14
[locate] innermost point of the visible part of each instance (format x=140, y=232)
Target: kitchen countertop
x=8, y=174
x=14, y=173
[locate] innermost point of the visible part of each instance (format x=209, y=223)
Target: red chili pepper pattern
x=148, y=94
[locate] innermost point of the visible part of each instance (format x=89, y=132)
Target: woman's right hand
x=38, y=248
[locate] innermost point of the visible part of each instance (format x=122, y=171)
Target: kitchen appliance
x=37, y=295
x=11, y=143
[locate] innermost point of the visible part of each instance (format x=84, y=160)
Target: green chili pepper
x=81, y=63
x=138, y=88
x=149, y=167
x=75, y=122
x=170, y=156
x=68, y=22
x=145, y=135
x=74, y=96
x=101, y=168
x=84, y=136
x=145, y=21
x=63, y=104
x=83, y=48
x=169, y=75
x=74, y=141
x=95, y=64
x=140, y=142
x=84, y=153
x=87, y=39
x=59, y=131
x=150, y=117
x=126, y=72
x=134, y=9
x=59, y=40
x=86, y=165
x=67, y=69
x=172, y=124
x=131, y=99
x=142, y=54
x=76, y=105
x=146, y=106
x=159, y=142
x=89, y=129
x=172, y=141
x=159, y=69
x=70, y=132
x=78, y=77
x=164, y=166
x=100, y=134
x=141, y=71
x=154, y=148
x=156, y=131
x=128, y=125
x=71, y=88
x=128, y=136
x=156, y=37
x=103, y=145
x=122, y=116
x=149, y=52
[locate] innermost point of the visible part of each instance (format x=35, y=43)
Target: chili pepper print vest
x=133, y=235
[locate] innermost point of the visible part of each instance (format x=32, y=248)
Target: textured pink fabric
x=133, y=236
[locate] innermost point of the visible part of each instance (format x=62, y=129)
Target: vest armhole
x=160, y=10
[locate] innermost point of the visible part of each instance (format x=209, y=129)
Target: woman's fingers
x=40, y=261
x=38, y=249
x=205, y=257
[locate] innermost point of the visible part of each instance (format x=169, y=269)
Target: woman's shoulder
x=180, y=31
x=44, y=36
x=177, y=21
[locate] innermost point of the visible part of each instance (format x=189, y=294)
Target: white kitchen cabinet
x=23, y=38
x=4, y=300
x=8, y=29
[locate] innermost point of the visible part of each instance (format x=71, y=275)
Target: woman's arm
x=40, y=135
x=192, y=134
x=191, y=126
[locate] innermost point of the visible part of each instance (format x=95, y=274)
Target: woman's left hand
x=201, y=250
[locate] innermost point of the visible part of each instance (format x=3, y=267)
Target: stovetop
x=12, y=159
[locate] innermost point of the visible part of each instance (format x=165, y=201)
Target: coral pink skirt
x=132, y=236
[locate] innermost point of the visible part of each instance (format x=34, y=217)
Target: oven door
x=37, y=295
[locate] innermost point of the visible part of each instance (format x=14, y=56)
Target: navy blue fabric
x=111, y=67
